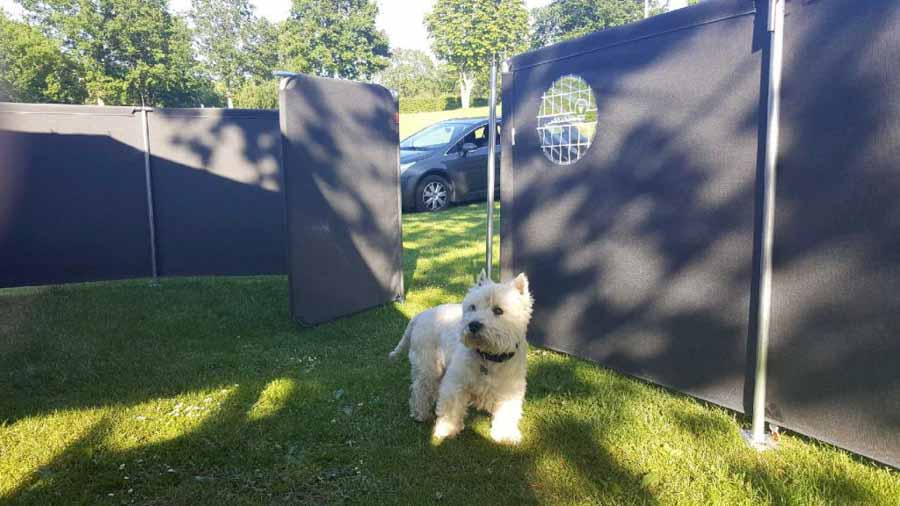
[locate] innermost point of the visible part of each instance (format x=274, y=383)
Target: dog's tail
x=403, y=345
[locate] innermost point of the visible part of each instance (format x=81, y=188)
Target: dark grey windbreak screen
x=641, y=240
x=639, y=246
x=74, y=194
x=217, y=188
x=342, y=189
x=835, y=346
x=73, y=204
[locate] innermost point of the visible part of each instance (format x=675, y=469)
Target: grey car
x=446, y=163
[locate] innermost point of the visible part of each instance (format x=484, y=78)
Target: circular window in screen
x=567, y=120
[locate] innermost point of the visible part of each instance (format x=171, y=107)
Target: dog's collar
x=502, y=357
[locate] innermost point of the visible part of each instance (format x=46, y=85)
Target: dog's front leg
x=453, y=401
x=505, y=421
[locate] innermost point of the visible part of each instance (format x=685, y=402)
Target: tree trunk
x=466, y=83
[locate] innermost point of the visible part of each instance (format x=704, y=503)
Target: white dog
x=471, y=354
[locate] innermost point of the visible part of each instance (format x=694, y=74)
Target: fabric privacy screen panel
x=834, y=359
x=342, y=189
x=73, y=203
x=217, y=190
x=631, y=198
x=635, y=208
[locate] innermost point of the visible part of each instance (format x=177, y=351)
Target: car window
x=433, y=137
x=478, y=137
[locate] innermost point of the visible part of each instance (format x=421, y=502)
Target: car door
x=469, y=169
x=479, y=159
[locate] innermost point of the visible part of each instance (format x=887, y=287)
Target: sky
x=401, y=19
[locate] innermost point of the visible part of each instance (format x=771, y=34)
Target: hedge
x=431, y=104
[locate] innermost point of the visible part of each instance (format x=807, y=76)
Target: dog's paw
x=444, y=429
x=506, y=435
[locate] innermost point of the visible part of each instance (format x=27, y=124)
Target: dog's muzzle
x=475, y=326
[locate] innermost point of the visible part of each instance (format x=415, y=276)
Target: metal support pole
x=149, y=183
x=491, y=167
x=758, y=438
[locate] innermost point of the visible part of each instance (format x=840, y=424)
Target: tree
x=263, y=51
x=223, y=34
x=466, y=33
x=257, y=95
x=411, y=72
x=231, y=42
x=334, y=38
x=33, y=68
x=566, y=19
x=130, y=51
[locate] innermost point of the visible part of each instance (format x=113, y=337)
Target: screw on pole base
x=767, y=442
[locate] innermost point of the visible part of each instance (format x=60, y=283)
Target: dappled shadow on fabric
x=642, y=254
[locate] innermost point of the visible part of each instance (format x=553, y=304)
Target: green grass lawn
x=412, y=123
x=202, y=391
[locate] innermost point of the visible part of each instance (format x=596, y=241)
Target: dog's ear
x=521, y=284
x=482, y=278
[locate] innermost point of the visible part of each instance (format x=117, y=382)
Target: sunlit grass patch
x=272, y=399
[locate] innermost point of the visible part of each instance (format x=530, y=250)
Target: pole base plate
x=767, y=443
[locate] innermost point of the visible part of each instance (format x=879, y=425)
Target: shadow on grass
x=563, y=458
x=198, y=388
x=453, y=243
x=317, y=416
x=229, y=458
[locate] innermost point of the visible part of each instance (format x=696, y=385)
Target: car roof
x=467, y=121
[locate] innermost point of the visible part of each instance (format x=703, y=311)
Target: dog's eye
x=498, y=311
x=472, y=307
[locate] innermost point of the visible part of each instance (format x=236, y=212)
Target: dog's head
x=496, y=315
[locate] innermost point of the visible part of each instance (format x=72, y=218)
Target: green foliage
x=447, y=79
x=466, y=33
x=261, y=95
x=431, y=104
x=33, y=68
x=412, y=73
x=130, y=51
x=232, y=43
x=263, y=52
x=336, y=38
x=566, y=19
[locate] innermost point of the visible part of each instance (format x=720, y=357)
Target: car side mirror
x=468, y=146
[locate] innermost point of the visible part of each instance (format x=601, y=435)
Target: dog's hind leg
x=426, y=377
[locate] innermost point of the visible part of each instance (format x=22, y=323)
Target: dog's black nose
x=475, y=326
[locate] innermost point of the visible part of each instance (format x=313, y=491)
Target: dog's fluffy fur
x=447, y=368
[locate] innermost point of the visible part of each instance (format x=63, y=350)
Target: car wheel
x=433, y=194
